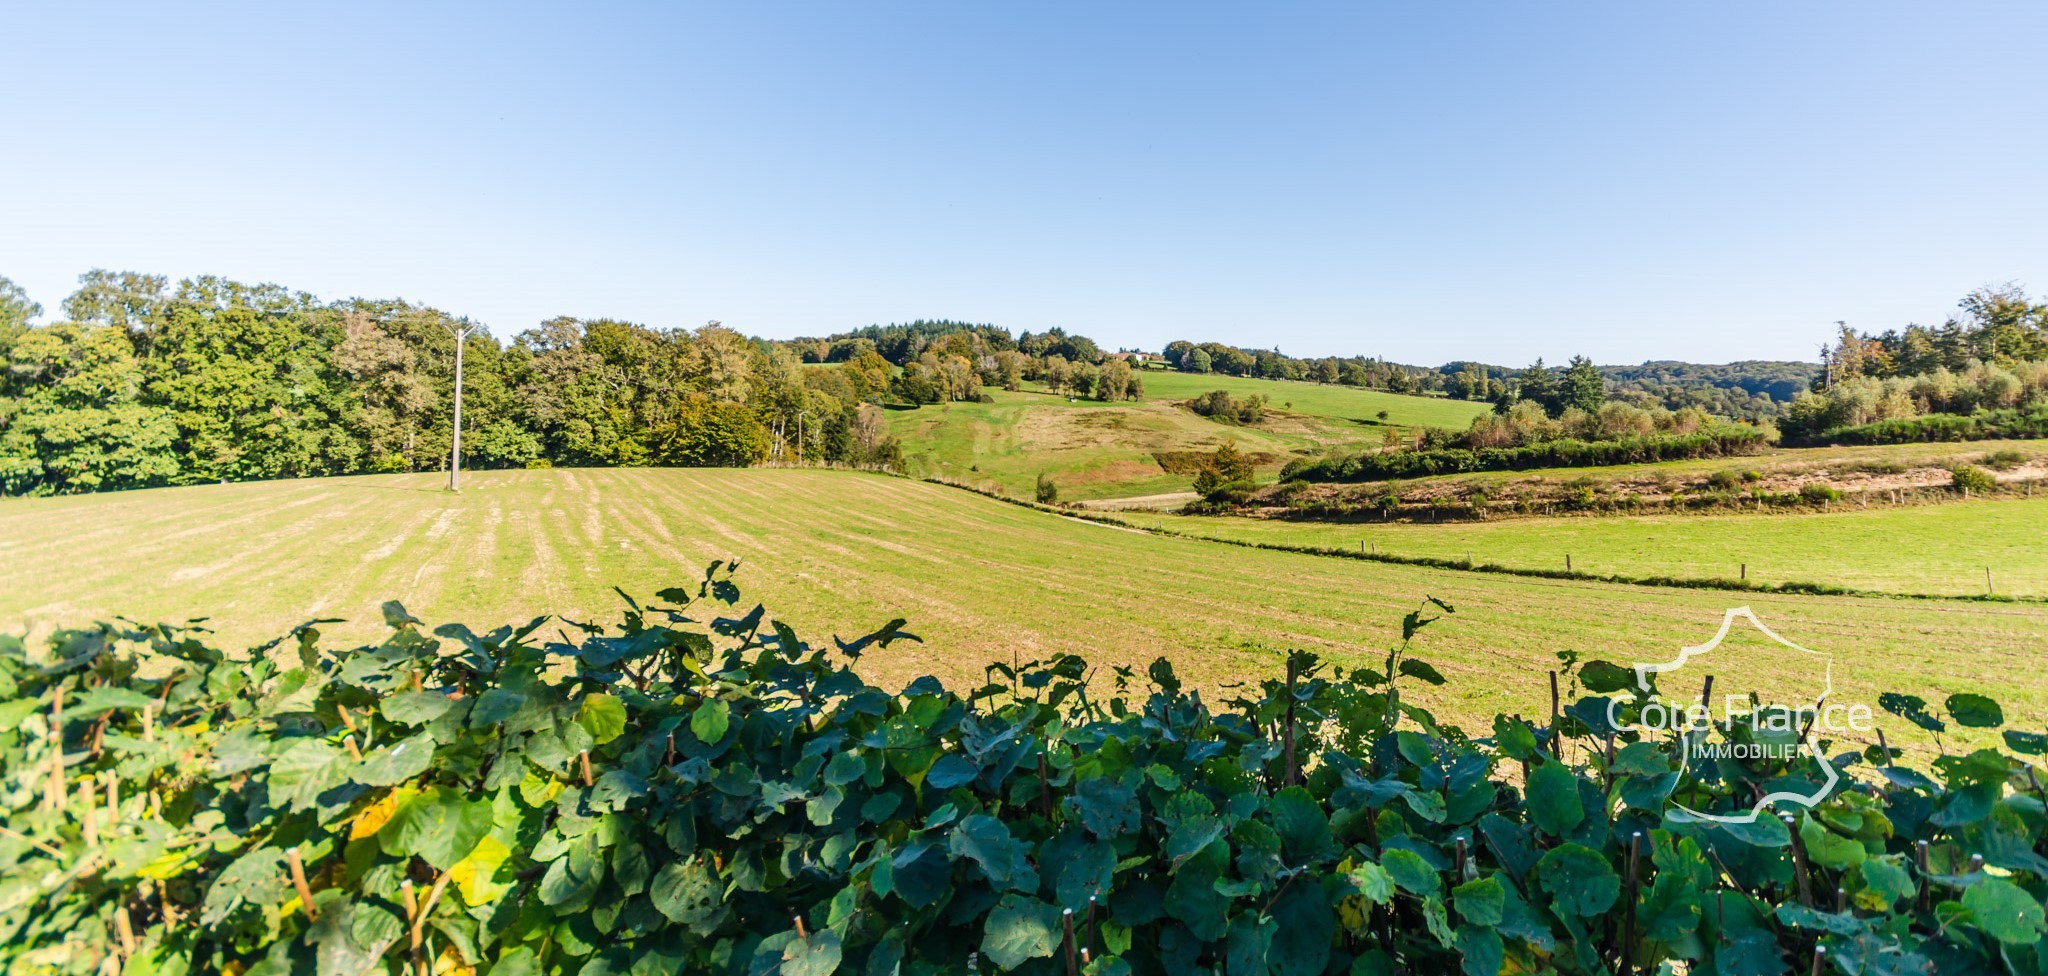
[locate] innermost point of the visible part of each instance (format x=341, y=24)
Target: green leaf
x=1829, y=849
x=817, y=954
x=687, y=892
x=1410, y=871
x=1189, y=837
x=1108, y=807
x=1975, y=711
x=604, y=717
x=1514, y=737
x=1602, y=678
x=708, y=723
x=1578, y=879
x=1421, y=669
x=1301, y=941
x=2026, y=743
x=1553, y=797
x=1303, y=827
x=950, y=771
x=304, y=771
x=1019, y=929
x=395, y=616
x=256, y=878
x=1373, y=882
x=439, y=825
x=415, y=707
x=2004, y=911
x=1885, y=883
x=1912, y=708
x=1480, y=950
x=1480, y=901
x=987, y=841
x=394, y=764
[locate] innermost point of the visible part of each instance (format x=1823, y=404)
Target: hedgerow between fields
x=689, y=791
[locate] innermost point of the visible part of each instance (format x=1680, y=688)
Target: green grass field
x=1105, y=450
x=980, y=580
x=1941, y=549
x=1342, y=403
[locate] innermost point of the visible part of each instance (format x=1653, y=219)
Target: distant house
x=1136, y=358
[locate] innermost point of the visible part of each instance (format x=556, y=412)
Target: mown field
x=1345, y=403
x=980, y=580
x=1940, y=549
x=1106, y=450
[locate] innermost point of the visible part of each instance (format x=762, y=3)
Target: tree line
x=1990, y=361
x=139, y=382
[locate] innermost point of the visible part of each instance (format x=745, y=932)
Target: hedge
x=1727, y=440
x=698, y=790
x=1984, y=425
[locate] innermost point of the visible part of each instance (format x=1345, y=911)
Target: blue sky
x=1425, y=182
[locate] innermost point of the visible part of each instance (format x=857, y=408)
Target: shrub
x=2014, y=423
x=1048, y=492
x=2004, y=460
x=1818, y=493
x=1724, y=480
x=1220, y=405
x=674, y=795
x=1970, y=478
x=1723, y=441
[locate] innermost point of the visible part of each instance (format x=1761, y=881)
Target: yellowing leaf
x=167, y=866
x=449, y=963
x=472, y=875
x=374, y=816
x=603, y=716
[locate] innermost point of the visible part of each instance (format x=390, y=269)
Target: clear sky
x=1423, y=181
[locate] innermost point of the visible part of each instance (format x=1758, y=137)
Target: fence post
x=1567, y=562
x=1745, y=571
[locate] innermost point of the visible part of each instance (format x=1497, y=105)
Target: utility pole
x=461, y=333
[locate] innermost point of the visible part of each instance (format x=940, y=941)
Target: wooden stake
x=85, y=815
x=124, y=929
x=291, y=859
x=1628, y=924
x=419, y=922
x=1067, y=941
x=350, y=742
x=1799, y=863
x=1920, y=858
x=800, y=933
x=1287, y=777
x=584, y=758
x=53, y=797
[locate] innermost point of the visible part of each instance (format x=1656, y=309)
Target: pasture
x=1108, y=450
x=980, y=580
x=1933, y=549
x=1348, y=404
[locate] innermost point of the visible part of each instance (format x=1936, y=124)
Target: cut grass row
x=980, y=580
